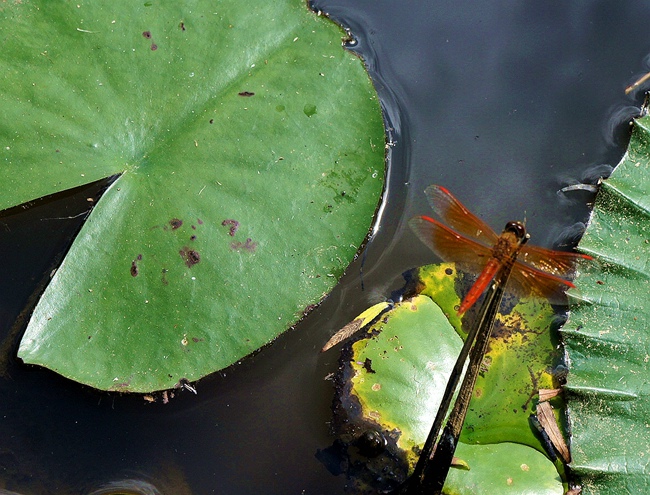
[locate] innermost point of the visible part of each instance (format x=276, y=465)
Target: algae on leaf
x=607, y=337
x=250, y=151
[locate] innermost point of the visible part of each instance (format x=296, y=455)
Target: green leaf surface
x=250, y=148
x=607, y=336
x=399, y=373
x=518, y=362
x=399, y=370
x=503, y=468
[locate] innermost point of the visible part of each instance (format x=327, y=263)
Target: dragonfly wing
x=459, y=218
x=558, y=263
x=526, y=280
x=450, y=245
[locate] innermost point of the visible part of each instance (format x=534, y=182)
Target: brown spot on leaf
x=190, y=256
x=134, y=265
x=249, y=245
x=193, y=238
x=154, y=47
x=163, y=278
x=175, y=223
x=182, y=26
x=146, y=34
x=234, y=225
x=246, y=93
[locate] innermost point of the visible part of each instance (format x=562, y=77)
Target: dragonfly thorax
x=511, y=239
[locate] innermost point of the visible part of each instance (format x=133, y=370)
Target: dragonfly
x=471, y=243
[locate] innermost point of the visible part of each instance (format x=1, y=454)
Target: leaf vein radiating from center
x=250, y=148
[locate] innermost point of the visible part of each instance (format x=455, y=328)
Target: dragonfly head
x=519, y=231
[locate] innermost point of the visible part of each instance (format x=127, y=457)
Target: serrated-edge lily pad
x=607, y=337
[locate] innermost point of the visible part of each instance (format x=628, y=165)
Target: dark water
x=502, y=102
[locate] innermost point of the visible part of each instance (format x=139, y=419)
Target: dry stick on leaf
x=347, y=331
x=548, y=393
x=366, y=318
x=548, y=421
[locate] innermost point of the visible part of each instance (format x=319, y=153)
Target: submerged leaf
x=250, y=152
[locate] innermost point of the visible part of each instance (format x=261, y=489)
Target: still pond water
x=502, y=102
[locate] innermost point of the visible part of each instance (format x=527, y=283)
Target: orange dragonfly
x=471, y=243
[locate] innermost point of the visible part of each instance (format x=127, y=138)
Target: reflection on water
x=127, y=487
x=497, y=102
x=617, y=126
x=124, y=487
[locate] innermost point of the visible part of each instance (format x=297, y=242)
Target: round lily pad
x=248, y=152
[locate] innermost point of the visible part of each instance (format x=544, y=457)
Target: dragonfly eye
x=517, y=228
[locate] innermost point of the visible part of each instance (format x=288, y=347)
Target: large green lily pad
x=607, y=336
x=250, y=151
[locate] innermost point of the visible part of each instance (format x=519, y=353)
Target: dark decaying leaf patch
x=134, y=266
x=190, y=256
